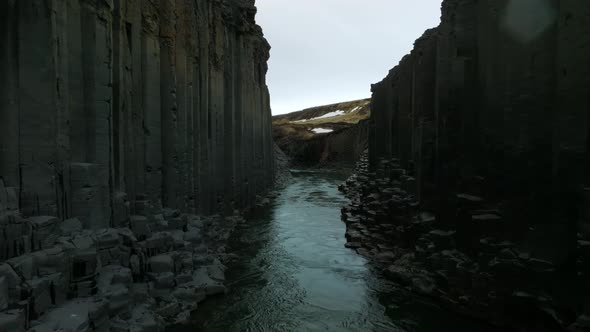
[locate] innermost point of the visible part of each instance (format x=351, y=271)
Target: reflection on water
x=294, y=274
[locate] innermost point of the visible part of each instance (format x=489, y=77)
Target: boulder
x=202, y=280
x=164, y=280
x=4, y=294
x=583, y=322
x=13, y=321
x=121, y=209
x=469, y=199
x=422, y=284
x=70, y=226
x=42, y=294
x=46, y=231
x=169, y=309
x=144, y=320
x=400, y=274
x=193, y=235
x=488, y=224
x=442, y=239
x=353, y=236
x=161, y=264
x=189, y=294
x=76, y=315
x=12, y=198
x=353, y=245
x=216, y=271
x=509, y=272
x=107, y=238
x=385, y=257
x=140, y=226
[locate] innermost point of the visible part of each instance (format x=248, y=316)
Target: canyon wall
x=486, y=125
x=131, y=132
x=495, y=103
x=154, y=103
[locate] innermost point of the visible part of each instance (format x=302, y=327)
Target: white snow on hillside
x=322, y=130
x=330, y=115
x=325, y=116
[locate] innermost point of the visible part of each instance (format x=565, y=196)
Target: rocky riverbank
x=140, y=278
x=472, y=268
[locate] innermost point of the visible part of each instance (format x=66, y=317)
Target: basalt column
x=9, y=115
x=488, y=104
x=112, y=108
x=486, y=124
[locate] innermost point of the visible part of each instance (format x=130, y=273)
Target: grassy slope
x=285, y=129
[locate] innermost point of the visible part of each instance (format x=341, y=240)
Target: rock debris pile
x=473, y=268
x=55, y=275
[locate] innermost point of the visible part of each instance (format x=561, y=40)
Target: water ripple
x=294, y=274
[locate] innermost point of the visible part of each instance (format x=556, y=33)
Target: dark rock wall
x=107, y=105
x=494, y=102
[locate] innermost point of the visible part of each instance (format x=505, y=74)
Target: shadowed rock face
x=489, y=113
x=475, y=108
x=119, y=121
x=164, y=101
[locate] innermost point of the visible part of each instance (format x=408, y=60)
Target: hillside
x=324, y=133
x=348, y=112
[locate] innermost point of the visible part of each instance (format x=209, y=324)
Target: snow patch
x=322, y=130
x=330, y=115
x=325, y=116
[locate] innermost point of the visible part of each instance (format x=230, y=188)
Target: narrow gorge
x=146, y=186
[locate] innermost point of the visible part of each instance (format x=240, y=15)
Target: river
x=294, y=274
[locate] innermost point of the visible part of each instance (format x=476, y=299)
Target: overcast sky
x=328, y=51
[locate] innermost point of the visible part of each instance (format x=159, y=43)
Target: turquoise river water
x=294, y=274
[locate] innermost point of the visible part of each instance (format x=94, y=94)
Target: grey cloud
x=326, y=51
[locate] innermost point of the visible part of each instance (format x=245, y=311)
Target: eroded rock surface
x=119, y=122
x=478, y=165
x=117, y=106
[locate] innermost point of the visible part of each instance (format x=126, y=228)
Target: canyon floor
x=292, y=272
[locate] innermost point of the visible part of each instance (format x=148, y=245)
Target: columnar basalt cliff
x=164, y=101
x=119, y=121
x=479, y=163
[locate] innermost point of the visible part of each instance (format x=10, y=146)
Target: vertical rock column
x=217, y=103
x=38, y=109
x=489, y=105
x=572, y=120
x=151, y=101
x=92, y=165
x=9, y=108
x=108, y=105
x=240, y=143
x=185, y=55
x=229, y=153
x=204, y=129
x=170, y=129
